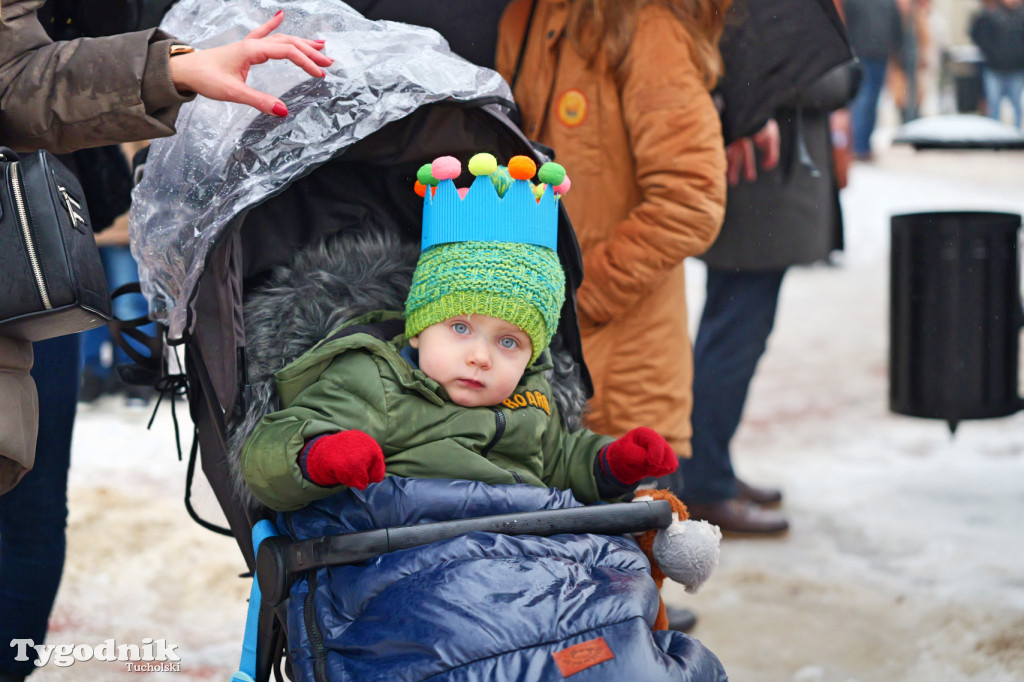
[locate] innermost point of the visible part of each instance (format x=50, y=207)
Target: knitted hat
x=489, y=250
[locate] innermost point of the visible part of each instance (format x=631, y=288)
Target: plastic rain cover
x=229, y=157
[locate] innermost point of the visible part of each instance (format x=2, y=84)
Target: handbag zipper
x=30, y=246
x=71, y=205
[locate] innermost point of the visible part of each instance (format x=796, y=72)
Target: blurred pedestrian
x=65, y=96
x=906, y=75
x=782, y=214
x=998, y=31
x=876, y=34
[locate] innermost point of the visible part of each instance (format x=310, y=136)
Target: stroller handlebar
x=280, y=559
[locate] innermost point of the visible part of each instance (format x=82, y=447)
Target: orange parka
x=643, y=147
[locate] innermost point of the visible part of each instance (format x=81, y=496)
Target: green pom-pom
x=551, y=173
x=501, y=180
x=425, y=175
x=483, y=164
x=538, y=191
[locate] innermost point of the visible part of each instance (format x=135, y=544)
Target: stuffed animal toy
x=687, y=551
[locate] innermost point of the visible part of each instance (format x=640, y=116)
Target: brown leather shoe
x=739, y=516
x=765, y=497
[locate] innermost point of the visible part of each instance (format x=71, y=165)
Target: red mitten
x=349, y=458
x=639, y=454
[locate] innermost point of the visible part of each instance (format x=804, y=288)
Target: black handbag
x=52, y=282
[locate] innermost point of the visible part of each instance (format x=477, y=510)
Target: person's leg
x=993, y=87
x=738, y=316
x=33, y=515
x=1015, y=91
x=864, y=108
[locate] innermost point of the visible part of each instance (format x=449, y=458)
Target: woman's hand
x=220, y=72
x=742, y=159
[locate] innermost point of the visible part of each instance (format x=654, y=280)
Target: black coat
x=789, y=215
x=874, y=27
x=999, y=34
x=469, y=26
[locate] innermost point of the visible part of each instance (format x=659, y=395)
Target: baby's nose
x=479, y=355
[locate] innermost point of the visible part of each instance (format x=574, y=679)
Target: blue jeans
x=738, y=317
x=1004, y=84
x=864, y=108
x=34, y=514
x=120, y=268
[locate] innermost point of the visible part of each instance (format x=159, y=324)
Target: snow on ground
x=905, y=560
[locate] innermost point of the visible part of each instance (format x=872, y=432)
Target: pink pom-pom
x=564, y=186
x=463, y=191
x=446, y=168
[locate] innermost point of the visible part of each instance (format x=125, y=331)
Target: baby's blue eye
x=509, y=342
x=460, y=328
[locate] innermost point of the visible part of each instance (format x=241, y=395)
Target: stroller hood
x=227, y=158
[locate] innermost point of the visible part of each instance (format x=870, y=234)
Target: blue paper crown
x=483, y=214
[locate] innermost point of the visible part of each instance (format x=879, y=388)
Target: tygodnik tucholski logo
x=150, y=656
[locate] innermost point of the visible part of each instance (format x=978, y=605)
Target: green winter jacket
x=357, y=381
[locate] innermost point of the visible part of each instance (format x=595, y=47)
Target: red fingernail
x=279, y=13
x=280, y=110
x=319, y=42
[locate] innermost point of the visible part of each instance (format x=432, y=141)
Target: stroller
x=256, y=237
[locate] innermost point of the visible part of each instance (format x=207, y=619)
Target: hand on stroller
x=350, y=458
x=640, y=453
x=220, y=72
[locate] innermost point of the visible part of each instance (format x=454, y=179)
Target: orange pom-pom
x=521, y=167
x=420, y=188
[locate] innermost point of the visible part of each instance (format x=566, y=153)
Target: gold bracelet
x=179, y=49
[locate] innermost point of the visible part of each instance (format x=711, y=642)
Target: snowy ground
x=906, y=556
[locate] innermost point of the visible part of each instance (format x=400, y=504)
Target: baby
x=462, y=393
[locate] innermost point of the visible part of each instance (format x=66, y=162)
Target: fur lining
x=327, y=284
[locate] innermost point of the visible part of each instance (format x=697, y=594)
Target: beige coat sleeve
x=81, y=93
x=676, y=138
x=19, y=412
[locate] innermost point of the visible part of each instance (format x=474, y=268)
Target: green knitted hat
x=520, y=283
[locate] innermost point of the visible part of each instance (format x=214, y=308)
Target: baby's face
x=477, y=358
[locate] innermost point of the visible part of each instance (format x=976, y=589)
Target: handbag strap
x=7, y=154
x=147, y=369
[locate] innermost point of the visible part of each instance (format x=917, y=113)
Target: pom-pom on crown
x=501, y=205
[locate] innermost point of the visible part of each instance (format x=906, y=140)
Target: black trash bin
x=965, y=65
x=955, y=315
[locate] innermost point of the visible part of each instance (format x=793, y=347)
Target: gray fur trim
x=326, y=285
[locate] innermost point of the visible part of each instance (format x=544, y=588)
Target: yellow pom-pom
x=521, y=167
x=483, y=164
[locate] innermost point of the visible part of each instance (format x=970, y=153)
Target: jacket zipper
x=316, y=638
x=26, y=233
x=499, y=431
